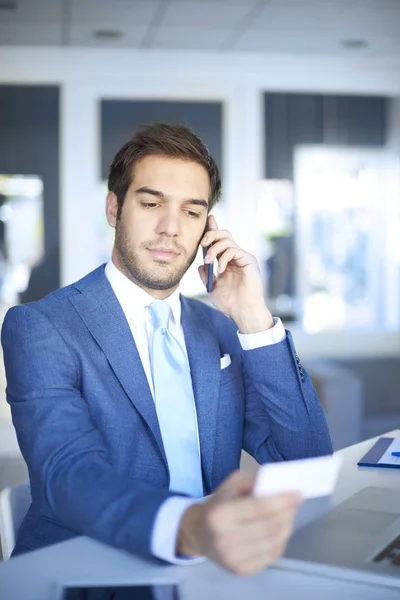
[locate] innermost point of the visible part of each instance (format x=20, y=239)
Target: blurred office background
x=299, y=102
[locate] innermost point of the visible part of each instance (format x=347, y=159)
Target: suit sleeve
x=64, y=452
x=284, y=419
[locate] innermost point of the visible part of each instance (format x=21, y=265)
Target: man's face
x=162, y=221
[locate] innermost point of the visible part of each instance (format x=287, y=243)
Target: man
x=131, y=402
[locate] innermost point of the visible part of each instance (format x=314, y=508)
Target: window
x=347, y=238
x=21, y=234
x=328, y=212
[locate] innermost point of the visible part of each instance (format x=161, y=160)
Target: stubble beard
x=165, y=277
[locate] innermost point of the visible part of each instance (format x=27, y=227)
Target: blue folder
x=375, y=454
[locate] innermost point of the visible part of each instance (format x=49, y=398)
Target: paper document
x=312, y=477
x=387, y=457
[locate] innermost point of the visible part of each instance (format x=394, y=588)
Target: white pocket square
x=225, y=361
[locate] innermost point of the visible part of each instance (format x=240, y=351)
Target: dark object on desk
x=371, y=459
x=125, y=592
x=390, y=554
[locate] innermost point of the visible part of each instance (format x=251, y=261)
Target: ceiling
x=369, y=27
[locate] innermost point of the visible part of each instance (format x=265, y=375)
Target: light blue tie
x=173, y=394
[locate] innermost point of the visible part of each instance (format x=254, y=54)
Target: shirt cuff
x=251, y=341
x=166, y=528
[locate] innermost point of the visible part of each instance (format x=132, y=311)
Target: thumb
x=236, y=485
x=203, y=273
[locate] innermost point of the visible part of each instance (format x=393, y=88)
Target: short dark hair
x=167, y=139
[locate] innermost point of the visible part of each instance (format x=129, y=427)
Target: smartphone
x=120, y=592
x=210, y=266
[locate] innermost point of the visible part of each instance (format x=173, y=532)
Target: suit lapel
x=102, y=314
x=204, y=359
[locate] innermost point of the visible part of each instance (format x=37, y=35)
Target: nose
x=169, y=224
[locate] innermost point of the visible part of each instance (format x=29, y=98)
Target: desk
x=33, y=576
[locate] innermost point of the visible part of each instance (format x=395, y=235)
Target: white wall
x=238, y=80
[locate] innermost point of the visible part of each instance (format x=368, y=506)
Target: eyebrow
x=158, y=194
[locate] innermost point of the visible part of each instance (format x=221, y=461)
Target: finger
x=221, y=518
x=249, y=563
x=270, y=528
x=227, y=517
x=203, y=272
x=236, y=255
x=239, y=483
x=250, y=508
x=226, y=258
x=252, y=535
x=212, y=223
x=237, y=550
x=213, y=236
x=218, y=248
x=262, y=558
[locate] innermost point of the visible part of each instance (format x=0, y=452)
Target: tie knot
x=160, y=312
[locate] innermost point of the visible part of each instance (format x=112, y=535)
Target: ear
x=111, y=209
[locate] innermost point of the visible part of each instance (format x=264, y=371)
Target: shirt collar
x=133, y=298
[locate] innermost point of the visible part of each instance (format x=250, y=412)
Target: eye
x=193, y=214
x=149, y=204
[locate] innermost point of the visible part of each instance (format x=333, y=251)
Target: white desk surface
x=33, y=576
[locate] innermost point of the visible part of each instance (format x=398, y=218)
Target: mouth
x=166, y=254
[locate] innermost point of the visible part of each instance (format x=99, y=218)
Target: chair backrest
x=14, y=504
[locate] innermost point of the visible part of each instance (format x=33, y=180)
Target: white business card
x=312, y=477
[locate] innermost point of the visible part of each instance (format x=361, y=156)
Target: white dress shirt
x=134, y=302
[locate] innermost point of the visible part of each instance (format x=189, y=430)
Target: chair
x=340, y=391
x=14, y=504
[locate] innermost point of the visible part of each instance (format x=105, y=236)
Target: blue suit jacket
x=86, y=420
